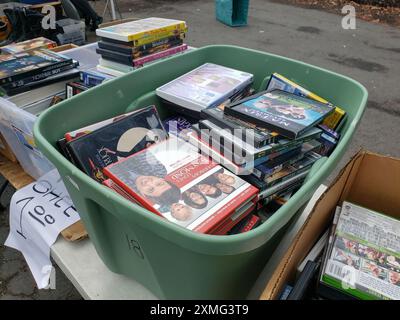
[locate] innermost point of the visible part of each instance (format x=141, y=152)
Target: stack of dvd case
x=131, y=45
x=22, y=70
x=273, y=152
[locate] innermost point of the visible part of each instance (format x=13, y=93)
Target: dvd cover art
x=124, y=136
x=173, y=180
x=205, y=86
x=280, y=82
x=365, y=256
x=12, y=65
x=289, y=114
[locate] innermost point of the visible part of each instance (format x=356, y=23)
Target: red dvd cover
x=174, y=181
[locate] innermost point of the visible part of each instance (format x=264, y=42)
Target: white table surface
x=83, y=267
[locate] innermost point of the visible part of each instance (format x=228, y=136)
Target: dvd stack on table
x=29, y=65
x=128, y=46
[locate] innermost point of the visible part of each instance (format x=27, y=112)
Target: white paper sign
x=38, y=213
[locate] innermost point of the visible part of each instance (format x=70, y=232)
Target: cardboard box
x=370, y=180
x=64, y=47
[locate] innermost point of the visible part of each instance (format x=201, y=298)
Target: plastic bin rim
x=233, y=240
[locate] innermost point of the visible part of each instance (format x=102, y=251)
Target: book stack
x=131, y=45
x=23, y=71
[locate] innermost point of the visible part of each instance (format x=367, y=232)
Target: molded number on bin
x=134, y=245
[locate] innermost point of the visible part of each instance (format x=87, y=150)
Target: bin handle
x=315, y=167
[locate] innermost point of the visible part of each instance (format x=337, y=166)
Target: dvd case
x=122, y=137
x=204, y=87
x=286, y=113
x=172, y=180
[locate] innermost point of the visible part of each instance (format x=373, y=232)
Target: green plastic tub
x=169, y=260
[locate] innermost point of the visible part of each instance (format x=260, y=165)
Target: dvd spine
x=40, y=76
x=158, y=34
x=266, y=170
x=158, y=43
x=259, y=140
x=288, y=176
x=36, y=73
x=159, y=55
x=152, y=50
x=289, y=134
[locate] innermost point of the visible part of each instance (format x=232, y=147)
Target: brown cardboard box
x=64, y=47
x=370, y=180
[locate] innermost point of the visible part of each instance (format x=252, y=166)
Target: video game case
x=279, y=111
x=38, y=77
x=364, y=260
x=74, y=88
x=27, y=64
x=117, y=140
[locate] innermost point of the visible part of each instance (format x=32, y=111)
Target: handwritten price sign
x=44, y=204
x=38, y=213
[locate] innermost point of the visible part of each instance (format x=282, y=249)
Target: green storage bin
x=169, y=260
